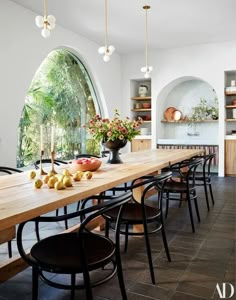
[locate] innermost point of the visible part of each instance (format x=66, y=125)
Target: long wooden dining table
x=20, y=201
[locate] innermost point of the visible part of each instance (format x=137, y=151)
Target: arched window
x=61, y=95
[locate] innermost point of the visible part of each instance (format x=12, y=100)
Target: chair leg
x=165, y=242
x=107, y=227
x=211, y=192
x=9, y=249
x=57, y=212
x=37, y=231
x=206, y=196
x=120, y=274
x=35, y=283
x=190, y=212
x=167, y=204
x=66, y=221
x=126, y=237
x=72, y=295
x=197, y=210
x=148, y=247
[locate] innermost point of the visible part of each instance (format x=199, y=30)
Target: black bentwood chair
x=11, y=231
x=78, y=252
x=135, y=213
x=204, y=178
x=185, y=189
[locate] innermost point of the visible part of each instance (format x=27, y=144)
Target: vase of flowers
x=114, y=133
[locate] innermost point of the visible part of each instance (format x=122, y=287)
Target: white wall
x=21, y=53
x=207, y=62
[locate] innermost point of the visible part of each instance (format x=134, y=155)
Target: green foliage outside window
x=61, y=94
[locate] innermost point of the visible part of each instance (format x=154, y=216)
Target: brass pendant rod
x=146, y=7
x=45, y=10
x=106, y=44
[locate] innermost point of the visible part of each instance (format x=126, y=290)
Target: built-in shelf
x=230, y=106
x=141, y=98
x=230, y=120
x=141, y=109
x=147, y=121
x=185, y=121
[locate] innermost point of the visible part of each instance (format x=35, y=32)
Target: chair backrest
x=208, y=163
x=47, y=161
x=9, y=170
x=91, y=213
x=86, y=155
x=148, y=183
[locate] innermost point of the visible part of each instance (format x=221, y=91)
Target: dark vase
x=114, y=147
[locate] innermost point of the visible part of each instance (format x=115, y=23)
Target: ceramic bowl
x=146, y=105
x=85, y=164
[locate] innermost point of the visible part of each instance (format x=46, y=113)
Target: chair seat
x=60, y=253
x=132, y=213
x=178, y=187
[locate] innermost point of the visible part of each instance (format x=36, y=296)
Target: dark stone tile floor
x=199, y=260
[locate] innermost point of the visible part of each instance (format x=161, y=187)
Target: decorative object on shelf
x=137, y=105
x=47, y=22
x=143, y=90
x=106, y=50
x=233, y=102
x=204, y=111
x=116, y=129
x=233, y=83
x=114, y=148
x=147, y=69
x=168, y=113
x=146, y=105
x=176, y=115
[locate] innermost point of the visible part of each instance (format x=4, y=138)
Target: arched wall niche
x=183, y=93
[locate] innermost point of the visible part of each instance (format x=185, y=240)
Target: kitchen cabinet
x=230, y=157
x=140, y=144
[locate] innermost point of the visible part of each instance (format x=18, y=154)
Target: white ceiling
x=171, y=23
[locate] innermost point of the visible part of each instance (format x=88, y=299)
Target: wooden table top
x=20, y=201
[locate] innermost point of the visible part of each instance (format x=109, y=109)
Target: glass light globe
x=111, y=49
x=101, y=50
x=45, y=33
x=51, y=26
x=106, y=58
x=51, y=19
x=146, y=75
x=150, y=68
x=144, y=69
x=39, y=21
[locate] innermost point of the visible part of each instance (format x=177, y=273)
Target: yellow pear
x=67, y=181
x=32, y=174
x=46, y=178
x=38, y=183
x=81, y=173
x=52, y=180
x=88, y=174
x=51, y=174
x=59, y=186
x=66, y=172
x=77, y=176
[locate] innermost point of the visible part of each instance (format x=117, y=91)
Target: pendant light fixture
x=47, y=23
x=106, y=50
x=147, y=69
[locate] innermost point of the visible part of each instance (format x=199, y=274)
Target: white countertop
x=230, y=137
x=143, y=137
x=190, y=141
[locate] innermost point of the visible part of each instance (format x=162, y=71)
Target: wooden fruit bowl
x=85, y=164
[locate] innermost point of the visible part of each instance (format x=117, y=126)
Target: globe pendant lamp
x=47, y=22
x=106, y=50
x=147, y=69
